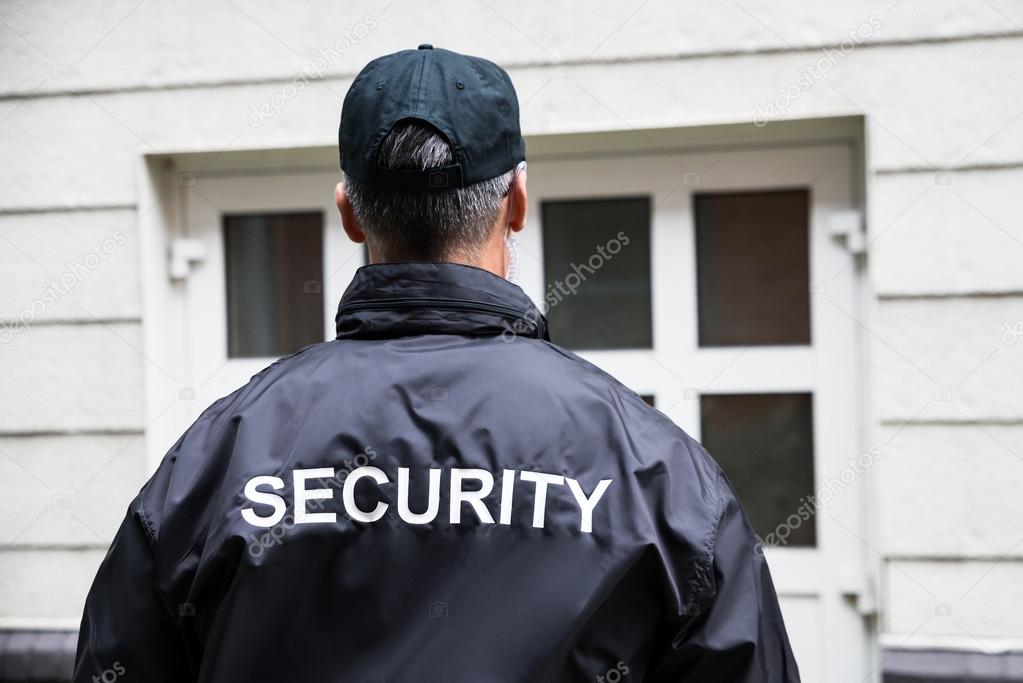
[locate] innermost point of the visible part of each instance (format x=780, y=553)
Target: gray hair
x=431, y=225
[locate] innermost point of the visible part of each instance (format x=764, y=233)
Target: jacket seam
x=212, y=412
x=147, y=524
x=706, y=570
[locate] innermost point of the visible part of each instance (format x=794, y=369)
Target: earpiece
x=513, y=257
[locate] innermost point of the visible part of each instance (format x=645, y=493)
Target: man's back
x=440, y=494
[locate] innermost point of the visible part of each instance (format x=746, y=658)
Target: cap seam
x=422, y=77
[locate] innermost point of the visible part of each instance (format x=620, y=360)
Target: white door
x=711, y=284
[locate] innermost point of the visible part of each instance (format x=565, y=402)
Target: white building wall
x=87, y=89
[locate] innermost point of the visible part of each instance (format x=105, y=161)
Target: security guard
x=441, y=493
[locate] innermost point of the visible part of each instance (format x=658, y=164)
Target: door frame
x=163, y=210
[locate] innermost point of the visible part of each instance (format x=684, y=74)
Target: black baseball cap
x=469, y=100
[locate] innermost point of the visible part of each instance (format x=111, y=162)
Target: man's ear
x=348, y=220
x=517, y=202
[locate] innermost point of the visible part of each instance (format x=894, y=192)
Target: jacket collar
x=398, y=299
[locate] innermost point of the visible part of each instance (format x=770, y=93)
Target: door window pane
x=274, y=265
x=596, y=260
x=753, y=268
x=764, y=443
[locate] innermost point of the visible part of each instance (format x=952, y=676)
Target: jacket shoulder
x=194, y=464
x=640, y=415
x=681, y=489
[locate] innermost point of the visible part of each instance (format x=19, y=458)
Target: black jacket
x=475, y=504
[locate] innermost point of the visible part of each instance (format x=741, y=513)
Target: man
x=441, y=493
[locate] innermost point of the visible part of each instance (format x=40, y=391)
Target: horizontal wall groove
x=65, y=208
x=55, y=547
x=88, y=431
x=965, y=168
x=931, y=296
x=15, y=324
x=983, y=422
x=949, y=559
x=523, y=65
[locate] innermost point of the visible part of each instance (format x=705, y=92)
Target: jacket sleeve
x=126, y=627
x=734, y=631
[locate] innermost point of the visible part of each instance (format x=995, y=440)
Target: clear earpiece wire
x=510, y=244
x=513, y=258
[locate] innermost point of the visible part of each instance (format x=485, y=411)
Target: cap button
x=426, y=46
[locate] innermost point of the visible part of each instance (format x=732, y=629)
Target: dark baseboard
x=951, y=666
x=37, y=655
